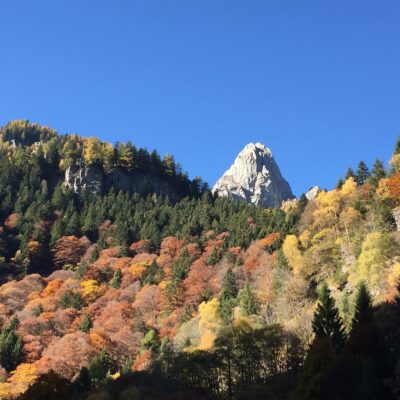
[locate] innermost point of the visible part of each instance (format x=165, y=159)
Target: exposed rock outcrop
x=95, y=180
x=255, y=177
x=396, y=216
x=81, y=177
x=313, y=193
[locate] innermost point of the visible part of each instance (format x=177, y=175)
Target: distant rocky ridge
x=255, y=178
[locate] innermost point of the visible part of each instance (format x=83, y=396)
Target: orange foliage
x=97, y=340
x=52, y=287
x=394, y=187
x=67, y=355
x=121, y=263
x=143, y=361
x=148, y=303
x=142, y=246
x=11, y=221
x=197, y=282
x=69, y=250
x=270, y=239
x=171, y=246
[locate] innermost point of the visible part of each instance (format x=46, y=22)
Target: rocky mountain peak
x=254, y=177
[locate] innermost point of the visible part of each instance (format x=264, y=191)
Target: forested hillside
x=120, y=295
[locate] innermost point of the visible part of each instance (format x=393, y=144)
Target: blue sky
x=316, y=81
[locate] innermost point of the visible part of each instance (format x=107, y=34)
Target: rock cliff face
x=254, y=177
x=95, y=180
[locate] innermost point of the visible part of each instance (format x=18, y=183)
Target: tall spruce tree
x=327, y=322
x=362, y=173
x=378, y=172
x=363, y=304
x=248, y=304
x=228, y=295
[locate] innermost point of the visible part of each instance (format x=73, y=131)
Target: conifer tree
x=349, y=174
x=378, y=172
x=116, y=280
x=11, y=346
x=397, y=147
x=248, y=304
x=363, y=304
x=362, y=173
x=339, y=183
x=86, y=324
x=327, y=322
x=73, y=225
x=228, y=295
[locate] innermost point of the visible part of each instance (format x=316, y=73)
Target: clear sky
x=316, y=81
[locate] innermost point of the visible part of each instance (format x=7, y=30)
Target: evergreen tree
x=57, y=230
x=349, y=174
x=107, y=361
x=378, y=172
x=95, y=254
x=363, y=304
x=327, y=321
x=397, y=147
x=11, y=346
x=116, y=280
x=151, y=340
x=73, y=225
x=86, y=324
x=362, y=173
x=37, y=310
x=153, y=274
x=248, y=304
x=97, y=371
x=339, y=183
x=228, y=295
x=72, y=300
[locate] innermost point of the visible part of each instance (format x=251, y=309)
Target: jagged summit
x=254, y=177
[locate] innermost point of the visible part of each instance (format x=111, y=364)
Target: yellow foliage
x=289, y=205
x=394, y=276
x=328, y=206
x=305, y=238
x=349, y=187
x=321, y=235
x=92, y=151
x=210, y=322
x=292, y=253
x=383, y=189
x=19, y=381
x=371, y=261
x=207, y=340
x=163, y=284
x=91, y=290
x=138, y=269
x=115, y=376
x=395, y=162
